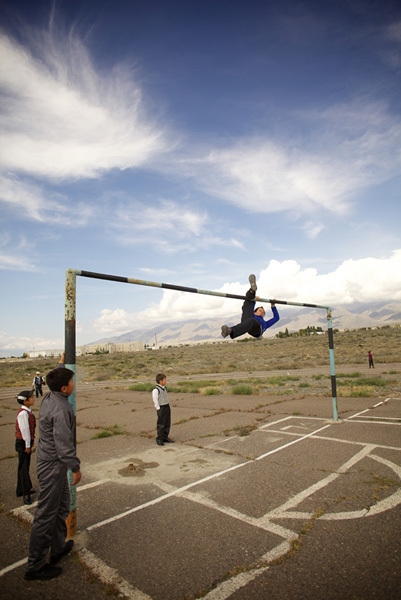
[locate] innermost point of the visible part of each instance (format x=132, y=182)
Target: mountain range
x=355, y=316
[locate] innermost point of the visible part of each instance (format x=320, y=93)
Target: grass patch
x=211, y=391
x=349, y=375
x=142, y=387
x=363, y=387
x=108, y=432
x=242, y=390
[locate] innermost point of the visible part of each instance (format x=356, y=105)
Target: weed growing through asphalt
x=108, y=432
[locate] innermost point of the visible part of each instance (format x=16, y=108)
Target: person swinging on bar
x=252, y=319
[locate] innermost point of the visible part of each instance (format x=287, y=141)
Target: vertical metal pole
x=332, y=366
x=70, y=363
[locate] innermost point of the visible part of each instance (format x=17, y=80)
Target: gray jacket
x=57, y=429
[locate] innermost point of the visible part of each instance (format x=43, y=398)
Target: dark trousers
x=24, y=483
x=163, y=422
x=248, y=323
x=38, y=390
x=49, y=528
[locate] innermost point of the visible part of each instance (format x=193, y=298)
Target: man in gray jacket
x=56, y=454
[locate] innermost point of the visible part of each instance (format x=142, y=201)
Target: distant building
x=106, y=348
x=45, y=353
x=110, y=348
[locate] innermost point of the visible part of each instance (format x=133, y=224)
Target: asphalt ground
x=300, y=507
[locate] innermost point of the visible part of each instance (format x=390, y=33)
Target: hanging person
x=252, y=320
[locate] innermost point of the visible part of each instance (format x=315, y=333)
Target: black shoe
x=27, y=500
x=46, y=572
x=57, y=557
x=168, y=441
x=159, y=443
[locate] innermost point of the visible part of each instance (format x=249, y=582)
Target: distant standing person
x=37, y=383
x=25, y=426
x=160, y=401
x=56, y=454
x=370, y=358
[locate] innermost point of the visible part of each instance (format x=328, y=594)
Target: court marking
x=225, y=589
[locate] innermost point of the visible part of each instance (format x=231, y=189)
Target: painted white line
x=13, y=566
x=232, y=585
x=304, y=437
x=260, y=523
x=380, y=420
x=292, y=417
x=195, y=483
x=357, y=414
x=88, y=486
x=110, y=576
x=282, y=511
x=23, y=511
x=164, y=497
x=229, y=587
x=353, y=443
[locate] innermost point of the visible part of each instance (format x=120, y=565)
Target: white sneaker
x=252, y=281
x=225, y=331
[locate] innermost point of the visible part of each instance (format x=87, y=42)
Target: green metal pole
x=332, y=365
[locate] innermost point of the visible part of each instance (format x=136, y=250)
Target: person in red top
x=25, y=426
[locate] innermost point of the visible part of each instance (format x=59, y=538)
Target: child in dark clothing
x=252, y=320
x=25, y=426
x=160, y=401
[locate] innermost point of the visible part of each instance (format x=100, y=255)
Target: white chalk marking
x=109, y=575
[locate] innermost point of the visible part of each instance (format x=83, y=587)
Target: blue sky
x=195, y=142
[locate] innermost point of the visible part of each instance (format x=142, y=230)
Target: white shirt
x=155, y=398
x=23, y=424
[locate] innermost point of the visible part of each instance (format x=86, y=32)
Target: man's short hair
x=58, y=378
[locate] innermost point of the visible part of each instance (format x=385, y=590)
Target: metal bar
x=70, y=341
x=181, y=288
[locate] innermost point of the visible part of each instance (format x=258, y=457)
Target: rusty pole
x=70, y=363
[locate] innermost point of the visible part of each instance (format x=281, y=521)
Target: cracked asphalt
x=260, y=497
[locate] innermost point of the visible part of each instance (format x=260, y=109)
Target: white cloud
x=24, y=344
x=16, y=263
x=166, y=225
x=365, y=280
x=31, y=201
x=312, y=229
x=348, y=148
x=60, y=118
x=115, y=321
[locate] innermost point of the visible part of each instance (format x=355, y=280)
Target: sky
x=193, y=143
